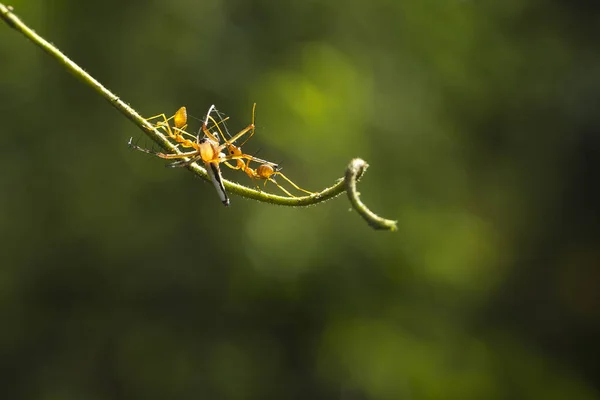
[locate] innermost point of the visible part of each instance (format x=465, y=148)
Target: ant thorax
x=211, y=152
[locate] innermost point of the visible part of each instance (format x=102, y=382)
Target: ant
x=265, y=170
x=206, y=149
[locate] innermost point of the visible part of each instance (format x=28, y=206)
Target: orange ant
x=206, y=149
x=180, y=124
x=265, y=170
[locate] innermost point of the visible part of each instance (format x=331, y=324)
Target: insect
x=180, y=124
x=206, y=149
x=209, y=150
x=265, y=171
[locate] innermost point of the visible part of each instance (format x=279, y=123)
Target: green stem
x=355, y=169
x=328, y=193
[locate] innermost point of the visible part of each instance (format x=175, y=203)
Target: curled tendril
x=355, y=169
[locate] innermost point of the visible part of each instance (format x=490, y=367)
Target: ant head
x=277, y=167
x=234, y=150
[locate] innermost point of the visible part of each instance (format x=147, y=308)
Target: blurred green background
x=122, y=279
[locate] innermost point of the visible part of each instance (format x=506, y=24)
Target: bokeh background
x=123, y=279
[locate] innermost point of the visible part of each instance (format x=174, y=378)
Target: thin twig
x=356, y=168
x=328, y=193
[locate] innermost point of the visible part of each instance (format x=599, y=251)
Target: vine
x=354, y=171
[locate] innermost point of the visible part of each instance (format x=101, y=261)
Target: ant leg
x=293, y=184
x=162, y=155
x=279, y=186
x=249, y=128
x=163, y=124
x=163, y=116
x=231, y=166
x=185, y=163
x=239, y=165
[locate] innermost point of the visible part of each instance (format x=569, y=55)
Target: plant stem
x=352, y=173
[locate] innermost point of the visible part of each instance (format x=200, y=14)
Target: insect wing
x=215, y=177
